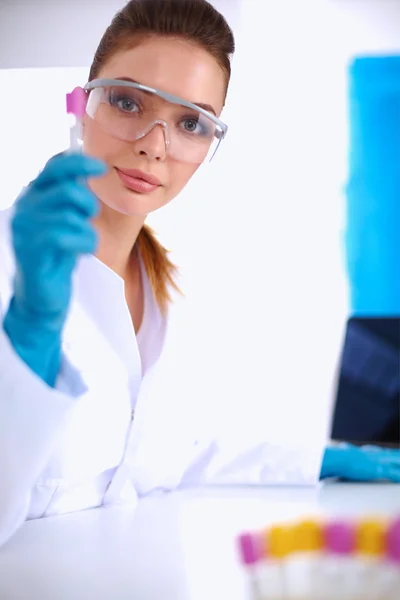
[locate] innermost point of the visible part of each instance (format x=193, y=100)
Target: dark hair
x=196, y=21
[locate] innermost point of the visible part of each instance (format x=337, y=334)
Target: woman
x=86, y=289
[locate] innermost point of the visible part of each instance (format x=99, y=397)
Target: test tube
x=251, y=553
x=370, y=547
x=392, y=550
x=305, y=566
x=76, y=106
x=339, y=575
x=279, y=541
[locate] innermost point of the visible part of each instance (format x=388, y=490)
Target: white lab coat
x=78, y=446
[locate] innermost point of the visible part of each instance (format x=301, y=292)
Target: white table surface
x=178, y=546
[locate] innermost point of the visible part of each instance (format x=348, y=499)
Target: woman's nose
x=153, y=143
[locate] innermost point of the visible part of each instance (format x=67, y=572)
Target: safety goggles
x=128, y=111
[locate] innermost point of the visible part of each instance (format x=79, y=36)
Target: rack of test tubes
x=324, y=560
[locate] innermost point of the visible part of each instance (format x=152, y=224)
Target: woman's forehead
x=174, y=66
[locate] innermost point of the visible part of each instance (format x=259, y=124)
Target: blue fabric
x=373, y=191
x=50, y=229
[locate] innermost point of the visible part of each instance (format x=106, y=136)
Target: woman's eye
x=124, y=104
x=127, y=104
x=198, y=126
x=195, y=127
x=191, y=125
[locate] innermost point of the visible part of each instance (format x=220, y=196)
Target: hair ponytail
x=160, y=270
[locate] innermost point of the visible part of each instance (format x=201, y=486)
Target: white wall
x=257, y=232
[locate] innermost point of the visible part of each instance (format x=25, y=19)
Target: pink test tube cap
x=250, y=548
x=76, y=102
x=339, y=537
x=393, y=541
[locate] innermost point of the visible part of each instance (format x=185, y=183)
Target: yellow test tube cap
x=279, y=541
x=371, y=536
x=309, y=536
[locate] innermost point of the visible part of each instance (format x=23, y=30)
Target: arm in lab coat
x=263, y=463
x=288, y=464
x=31, y=416
x=32, y=368
x=230, y=461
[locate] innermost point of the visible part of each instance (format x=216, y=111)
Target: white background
x=257, y=233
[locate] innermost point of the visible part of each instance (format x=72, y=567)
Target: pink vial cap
x=250, y=548
x=393, y=541
x=76, y=102
x=339, y=537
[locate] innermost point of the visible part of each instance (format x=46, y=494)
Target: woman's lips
x=137, y=181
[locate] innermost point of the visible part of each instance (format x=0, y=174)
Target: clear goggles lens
x=129, y=114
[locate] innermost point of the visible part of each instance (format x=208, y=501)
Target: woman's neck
x=117, y=236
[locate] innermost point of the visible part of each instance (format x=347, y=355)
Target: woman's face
x=174, y=66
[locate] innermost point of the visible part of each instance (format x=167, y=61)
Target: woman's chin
x=130, y=206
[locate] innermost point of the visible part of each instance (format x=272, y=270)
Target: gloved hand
x=373, y=190
x=50, y=229
x=368, y=463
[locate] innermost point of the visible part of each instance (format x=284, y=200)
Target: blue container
x=372, y=235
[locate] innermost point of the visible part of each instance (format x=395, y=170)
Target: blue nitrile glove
x=373, y=192
x=368, y=463
x=50, y=229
